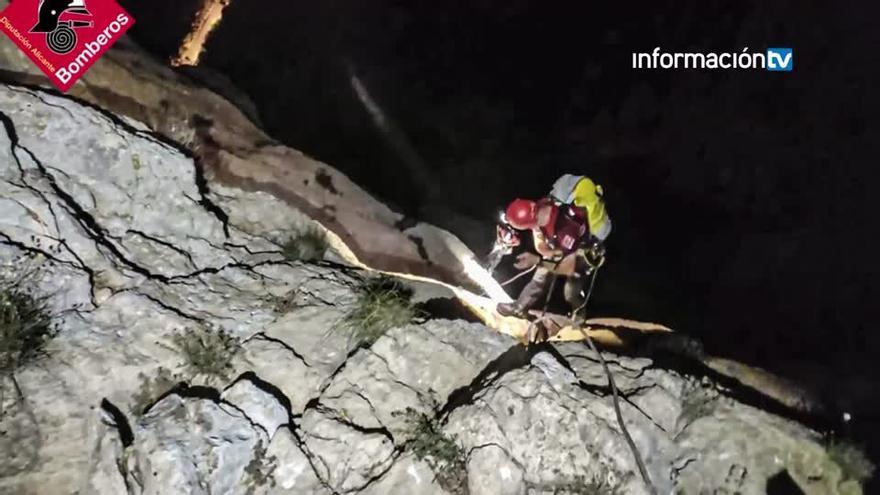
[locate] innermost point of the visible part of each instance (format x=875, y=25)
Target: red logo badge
x=64, y=37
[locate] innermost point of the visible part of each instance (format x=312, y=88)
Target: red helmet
x=522, y=214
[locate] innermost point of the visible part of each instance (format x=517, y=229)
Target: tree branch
x=207, y=18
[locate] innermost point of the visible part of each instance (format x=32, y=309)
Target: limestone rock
x=232, y=150
x=255, y=399
x=134, y=251
x=292, y=471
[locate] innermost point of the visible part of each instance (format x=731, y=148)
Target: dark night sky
x=742, y=200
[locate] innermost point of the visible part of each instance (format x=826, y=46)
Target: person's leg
x=529, y=296
x=576, y=285
x=574, y=290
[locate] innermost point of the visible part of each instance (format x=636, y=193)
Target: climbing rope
x=519, y=275
x=643, y=471
x=615, y=394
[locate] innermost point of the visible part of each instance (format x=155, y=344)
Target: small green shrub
x=426, y=440
x=852, y=460
x=207, y=352
x=25, y=326
x=152, y=387
x=258, y=472
x=383, y=303
x=308, y=244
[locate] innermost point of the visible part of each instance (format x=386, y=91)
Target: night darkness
x=742, y=201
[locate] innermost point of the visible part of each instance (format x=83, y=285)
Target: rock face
x=230, y=148
x=134, y=249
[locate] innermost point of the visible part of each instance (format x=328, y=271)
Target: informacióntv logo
x=64, y=37
x=774, y=59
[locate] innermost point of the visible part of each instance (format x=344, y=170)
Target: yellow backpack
x=580, y=191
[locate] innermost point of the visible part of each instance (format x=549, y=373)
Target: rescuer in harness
x=568, y=228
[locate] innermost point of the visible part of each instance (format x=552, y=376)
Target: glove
x=526, y=260
x=506, y=236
